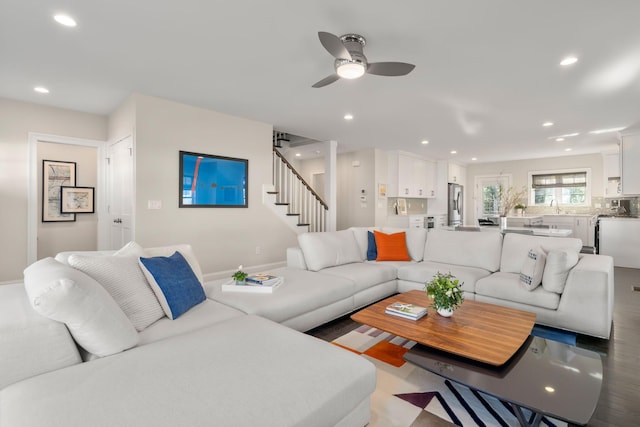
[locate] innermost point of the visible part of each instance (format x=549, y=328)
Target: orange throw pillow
x=391, y=247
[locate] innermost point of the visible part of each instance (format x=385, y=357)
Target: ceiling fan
x=350, y=61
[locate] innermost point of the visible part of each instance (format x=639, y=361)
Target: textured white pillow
x=66, y=295
x=556, y=269
x=532, y=269
x=122, y=277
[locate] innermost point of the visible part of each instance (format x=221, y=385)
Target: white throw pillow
x=122, y=277
x=556, y=270
x=66, y=295
x=532, y=269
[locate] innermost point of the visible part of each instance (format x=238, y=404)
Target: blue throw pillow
x=372, y=249
x=174, y=283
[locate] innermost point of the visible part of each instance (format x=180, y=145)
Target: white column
x=330, y=182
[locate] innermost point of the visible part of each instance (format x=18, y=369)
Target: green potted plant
x=519, y=209
x=446, y=292
x=239, y=276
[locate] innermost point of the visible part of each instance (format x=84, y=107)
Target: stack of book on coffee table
x=261, y=283
x=407, y=311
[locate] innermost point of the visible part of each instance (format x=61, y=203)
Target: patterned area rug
x=403, y=390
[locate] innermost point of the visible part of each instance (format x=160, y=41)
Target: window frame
x=588, y=185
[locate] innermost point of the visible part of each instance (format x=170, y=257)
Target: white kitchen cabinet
x=581, y=229
x=629, y=161
x=456, y=173
x=611, y=168
x=580, y=225
x=410, y=176
x=432, y=179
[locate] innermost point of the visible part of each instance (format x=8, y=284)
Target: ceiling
x=487, y=71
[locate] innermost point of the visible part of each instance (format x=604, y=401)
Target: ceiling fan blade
x=334, y=45
x=327, y=80
x=390, y=68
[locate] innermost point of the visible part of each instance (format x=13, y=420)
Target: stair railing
x=293, y=190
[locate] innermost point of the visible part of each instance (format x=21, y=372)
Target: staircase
x=293, y=200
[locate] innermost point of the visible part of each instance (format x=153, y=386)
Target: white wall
x=222, y=238
x=81, y=234
x=351, y=211
x=17, y=119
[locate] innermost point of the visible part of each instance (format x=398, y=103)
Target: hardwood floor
x=619, y=404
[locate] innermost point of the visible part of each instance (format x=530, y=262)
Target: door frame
x=32, y=201
x=477, y=196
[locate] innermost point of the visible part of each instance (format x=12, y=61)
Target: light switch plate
x=154, y=204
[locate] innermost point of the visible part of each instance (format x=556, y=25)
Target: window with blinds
x=560, y=188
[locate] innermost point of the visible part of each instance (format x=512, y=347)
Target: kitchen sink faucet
x=557, y=206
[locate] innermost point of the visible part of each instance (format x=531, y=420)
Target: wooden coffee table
x=479, y=331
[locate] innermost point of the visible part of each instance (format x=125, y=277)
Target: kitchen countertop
x=547, y=232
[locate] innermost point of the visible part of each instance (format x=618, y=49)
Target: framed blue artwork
x=208, y=181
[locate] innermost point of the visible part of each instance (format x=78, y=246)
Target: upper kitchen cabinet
x=457, y=174
x=411, y=176
x=629, y=160
x=613, y=186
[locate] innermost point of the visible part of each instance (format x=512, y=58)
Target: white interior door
x=121, y=193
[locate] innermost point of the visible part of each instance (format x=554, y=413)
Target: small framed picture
x=77, y=200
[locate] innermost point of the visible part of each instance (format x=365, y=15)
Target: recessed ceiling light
x=569, y=60
x=474, y=159
x=41, y=89
x=425, y=142
x=348, y=116
x=567, y=149
x=599, y=131
x=454, y=152
x=559, y=139
x=65, y=20
x=547, y=124
x=298, y=154
x=550, y=389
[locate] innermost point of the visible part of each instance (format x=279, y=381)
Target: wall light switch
x=154, y=204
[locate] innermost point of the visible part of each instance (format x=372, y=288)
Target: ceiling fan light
x=350, y=70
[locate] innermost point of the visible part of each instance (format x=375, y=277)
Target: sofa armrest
x=295, y=258
x=590, y=289
x=30, y=344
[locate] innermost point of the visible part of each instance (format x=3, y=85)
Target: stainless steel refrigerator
x=455, y=204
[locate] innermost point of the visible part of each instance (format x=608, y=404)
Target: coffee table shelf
x=479, y=331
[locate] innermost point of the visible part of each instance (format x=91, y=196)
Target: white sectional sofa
x=70, y=356
x=573, y=297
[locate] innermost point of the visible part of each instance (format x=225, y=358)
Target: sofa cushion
x=532, y=269
x=202, y=315
x=173, y=282
x=365, y=275
x=242, y=372
x=122, y=277
x=372, y=249
x=416, y=239
x=62, y=293
x=30, y=344
x=556, y=269
x=506, y=286
x=361, y=235
x=516, y=246
x=301, y=292
x=423, y=272
x=391, y=247
x=480, y=250
x=330, y=248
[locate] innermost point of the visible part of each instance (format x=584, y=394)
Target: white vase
x=445, y=312
x=503, y=222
